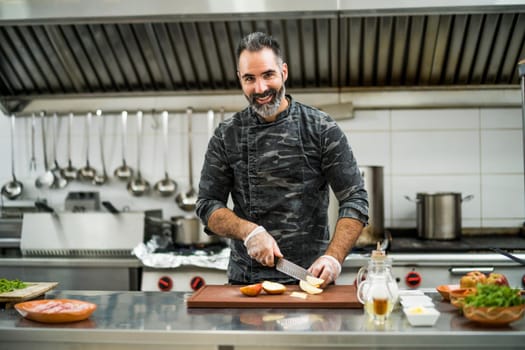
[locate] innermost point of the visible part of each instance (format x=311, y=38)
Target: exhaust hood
x=62, y=49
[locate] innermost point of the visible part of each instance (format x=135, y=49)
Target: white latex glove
x=262, y=247
x=326, y=267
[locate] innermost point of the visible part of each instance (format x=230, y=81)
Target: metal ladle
x=32, y=161
x=60, y=181
x=69, y=172
x=87, y=173
x=101, y=179
x=138, y=186
x=47, y=179
x=124, y=172
x=14, y=188
x=166, y=186
x=187, y=201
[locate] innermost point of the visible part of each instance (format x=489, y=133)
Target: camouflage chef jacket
x=278, y=175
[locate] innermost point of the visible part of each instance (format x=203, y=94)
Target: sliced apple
x=309, y=288
x=299, y=295
x=273, y=287
x=251, y=290
x=314, y=281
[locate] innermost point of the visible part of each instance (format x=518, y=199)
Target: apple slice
x=314, y=281
x=251, y=290
x=309, y=288
x=273, y=287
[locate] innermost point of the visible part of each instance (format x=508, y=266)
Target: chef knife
x=289, y=268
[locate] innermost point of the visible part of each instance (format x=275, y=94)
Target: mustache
x=269, y=92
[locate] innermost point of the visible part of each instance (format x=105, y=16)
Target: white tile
x=367, y=120
x=501, y=151
x=502, y=223
x=439, y=152
x=494, y=118
x=503, y=197
x=371, y=148
x=435, y=119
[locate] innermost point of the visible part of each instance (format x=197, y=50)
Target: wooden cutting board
x=224, y=296
x=33, y=290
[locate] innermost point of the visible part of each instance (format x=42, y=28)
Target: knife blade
x=293, y=270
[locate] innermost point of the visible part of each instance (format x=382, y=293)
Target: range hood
x=63, y=49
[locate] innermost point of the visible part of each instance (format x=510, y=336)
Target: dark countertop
x=136, y=320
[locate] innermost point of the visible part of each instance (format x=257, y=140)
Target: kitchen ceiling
x=326, y=50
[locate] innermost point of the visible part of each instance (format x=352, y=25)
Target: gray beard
x=270, y=109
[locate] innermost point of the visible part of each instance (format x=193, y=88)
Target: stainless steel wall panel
x=122, y=58
x=15, y=64
x=136, y=57
x=455, y=49
x=470, y=47
x=514, y=52
x=414, y=50
x=109, y=58
x=484, y=49
x=326, y=50
x=384, y=51
x=499, y=48
x=399, y=55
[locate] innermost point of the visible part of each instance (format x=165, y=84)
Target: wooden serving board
x=33, y=290
x=225, y=296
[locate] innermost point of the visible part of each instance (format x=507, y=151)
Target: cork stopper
x=378, y=253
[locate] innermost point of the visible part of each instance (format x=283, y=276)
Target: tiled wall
x=472, y=151
x=475, y=152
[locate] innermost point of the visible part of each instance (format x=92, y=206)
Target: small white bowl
x=421, y=316
x=416, y=300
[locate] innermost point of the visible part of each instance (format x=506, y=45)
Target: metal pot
x=439, y=215
x=188, y=230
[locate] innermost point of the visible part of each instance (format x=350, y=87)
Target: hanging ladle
x=60, y=181
x=124, y=172
x=69, y=172
x=101, y=179
x=166, y=186
x=187, y=201
x=32, y=161
x=47, y=179
x=87, y=173
x=14, y=188
x=138, y=186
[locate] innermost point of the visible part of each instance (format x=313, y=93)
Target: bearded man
x=277, y=159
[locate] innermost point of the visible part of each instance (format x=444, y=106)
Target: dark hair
x=257, y=41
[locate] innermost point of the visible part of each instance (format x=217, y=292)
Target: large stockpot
x=439, y=215
x=188, y=230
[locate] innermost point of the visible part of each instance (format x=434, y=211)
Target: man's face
x=262, y=81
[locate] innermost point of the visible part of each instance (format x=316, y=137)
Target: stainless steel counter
x=93, y=273
x=136, y=320
x=70, y=262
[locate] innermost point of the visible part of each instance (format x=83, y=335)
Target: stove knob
x=413, y=279
x=197, y=282
x=165, y=284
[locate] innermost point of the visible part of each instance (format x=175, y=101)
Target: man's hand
x=327, y=268
x=262, y=247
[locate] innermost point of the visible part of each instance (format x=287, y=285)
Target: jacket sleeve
x=343, y=174
x=216, y=179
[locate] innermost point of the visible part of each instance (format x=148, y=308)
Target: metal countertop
x=135, y=320
x=352, y=260
x=71, y=262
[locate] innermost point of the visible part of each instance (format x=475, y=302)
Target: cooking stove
x=417, y=263
x=186, y=278
x=425, y=264
x=467, y=244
